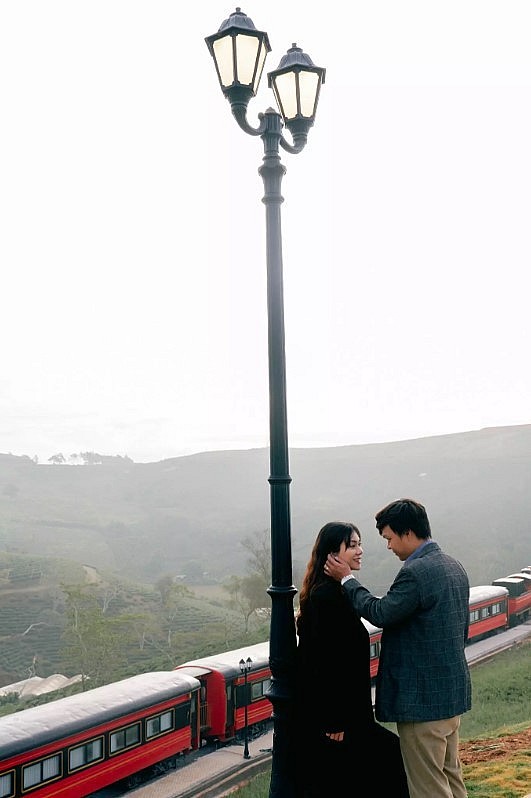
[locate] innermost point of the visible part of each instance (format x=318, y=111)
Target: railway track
x=206, y=775
x=224, y=783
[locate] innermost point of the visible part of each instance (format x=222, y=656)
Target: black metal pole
x=246, y=754
x=245, y=667
x=283, y=642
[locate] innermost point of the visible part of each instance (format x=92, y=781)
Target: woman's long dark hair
x=329, y=540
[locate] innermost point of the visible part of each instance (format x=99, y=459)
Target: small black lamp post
x=239, y=52
x=245, y=667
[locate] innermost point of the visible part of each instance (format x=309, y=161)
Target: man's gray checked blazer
x=422, y=673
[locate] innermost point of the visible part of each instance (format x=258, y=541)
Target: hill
x=188, y=515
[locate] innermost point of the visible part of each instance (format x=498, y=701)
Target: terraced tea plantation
x=163, y=631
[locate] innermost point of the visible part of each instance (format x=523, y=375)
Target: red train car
x=525, y=576
x=519, y=599
x=223, y=694
x=76, y=745
x=375, y=636
x=489, y=611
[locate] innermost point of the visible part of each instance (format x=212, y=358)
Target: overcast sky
x=132, y=247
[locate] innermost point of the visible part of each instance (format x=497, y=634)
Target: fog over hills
x=191, y=513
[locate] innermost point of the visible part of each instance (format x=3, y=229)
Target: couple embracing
x=423, y=682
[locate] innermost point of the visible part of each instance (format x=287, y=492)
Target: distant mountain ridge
x=190, y=513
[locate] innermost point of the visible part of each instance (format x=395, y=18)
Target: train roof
x=516, y=585
x=370, y=627
x=522, y=575
x=45, y=723
x=228, y=662
x=487, y=592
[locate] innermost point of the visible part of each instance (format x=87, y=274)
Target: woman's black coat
x=333, y=693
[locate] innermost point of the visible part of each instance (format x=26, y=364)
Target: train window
x=84, y=754
x=7, y=785
x=375, y=650
x=497, y=608
x=39, y=772
x=159, y=724
x=258, y=689
x=474, y=616
x=125, y=738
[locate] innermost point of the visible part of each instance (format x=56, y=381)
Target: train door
x=204, y=714
x=195, y=713
x=230, y=730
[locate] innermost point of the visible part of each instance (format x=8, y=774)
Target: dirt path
x=494, y=747
x=92, y=575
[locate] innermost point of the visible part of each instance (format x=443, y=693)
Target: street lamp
x=239, y=52
x=245, y=667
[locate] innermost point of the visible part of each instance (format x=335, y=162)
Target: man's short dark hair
x=403, y=515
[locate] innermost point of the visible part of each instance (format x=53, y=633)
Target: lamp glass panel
x=223, y=55
x=261, y=62
x=287, y=94
x=308, y=87
x=246, y=51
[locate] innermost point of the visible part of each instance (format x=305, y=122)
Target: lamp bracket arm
x=239, y=111
x=299, y=143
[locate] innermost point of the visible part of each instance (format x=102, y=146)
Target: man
x=423, y=681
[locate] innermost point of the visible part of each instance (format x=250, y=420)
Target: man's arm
x=400, y=602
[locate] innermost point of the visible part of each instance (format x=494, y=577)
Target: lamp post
x=245, y=667
x=239, y=52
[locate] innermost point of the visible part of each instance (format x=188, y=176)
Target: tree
x=171, y=603
x=107, y=595
x=95, y=643
x=164, y=585
x=90, y=458
x=259, y=550
x=248, y=594
x=57, y=459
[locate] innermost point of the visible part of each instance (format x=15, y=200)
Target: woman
x=339, y=740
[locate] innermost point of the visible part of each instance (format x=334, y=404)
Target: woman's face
x=352, y=552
